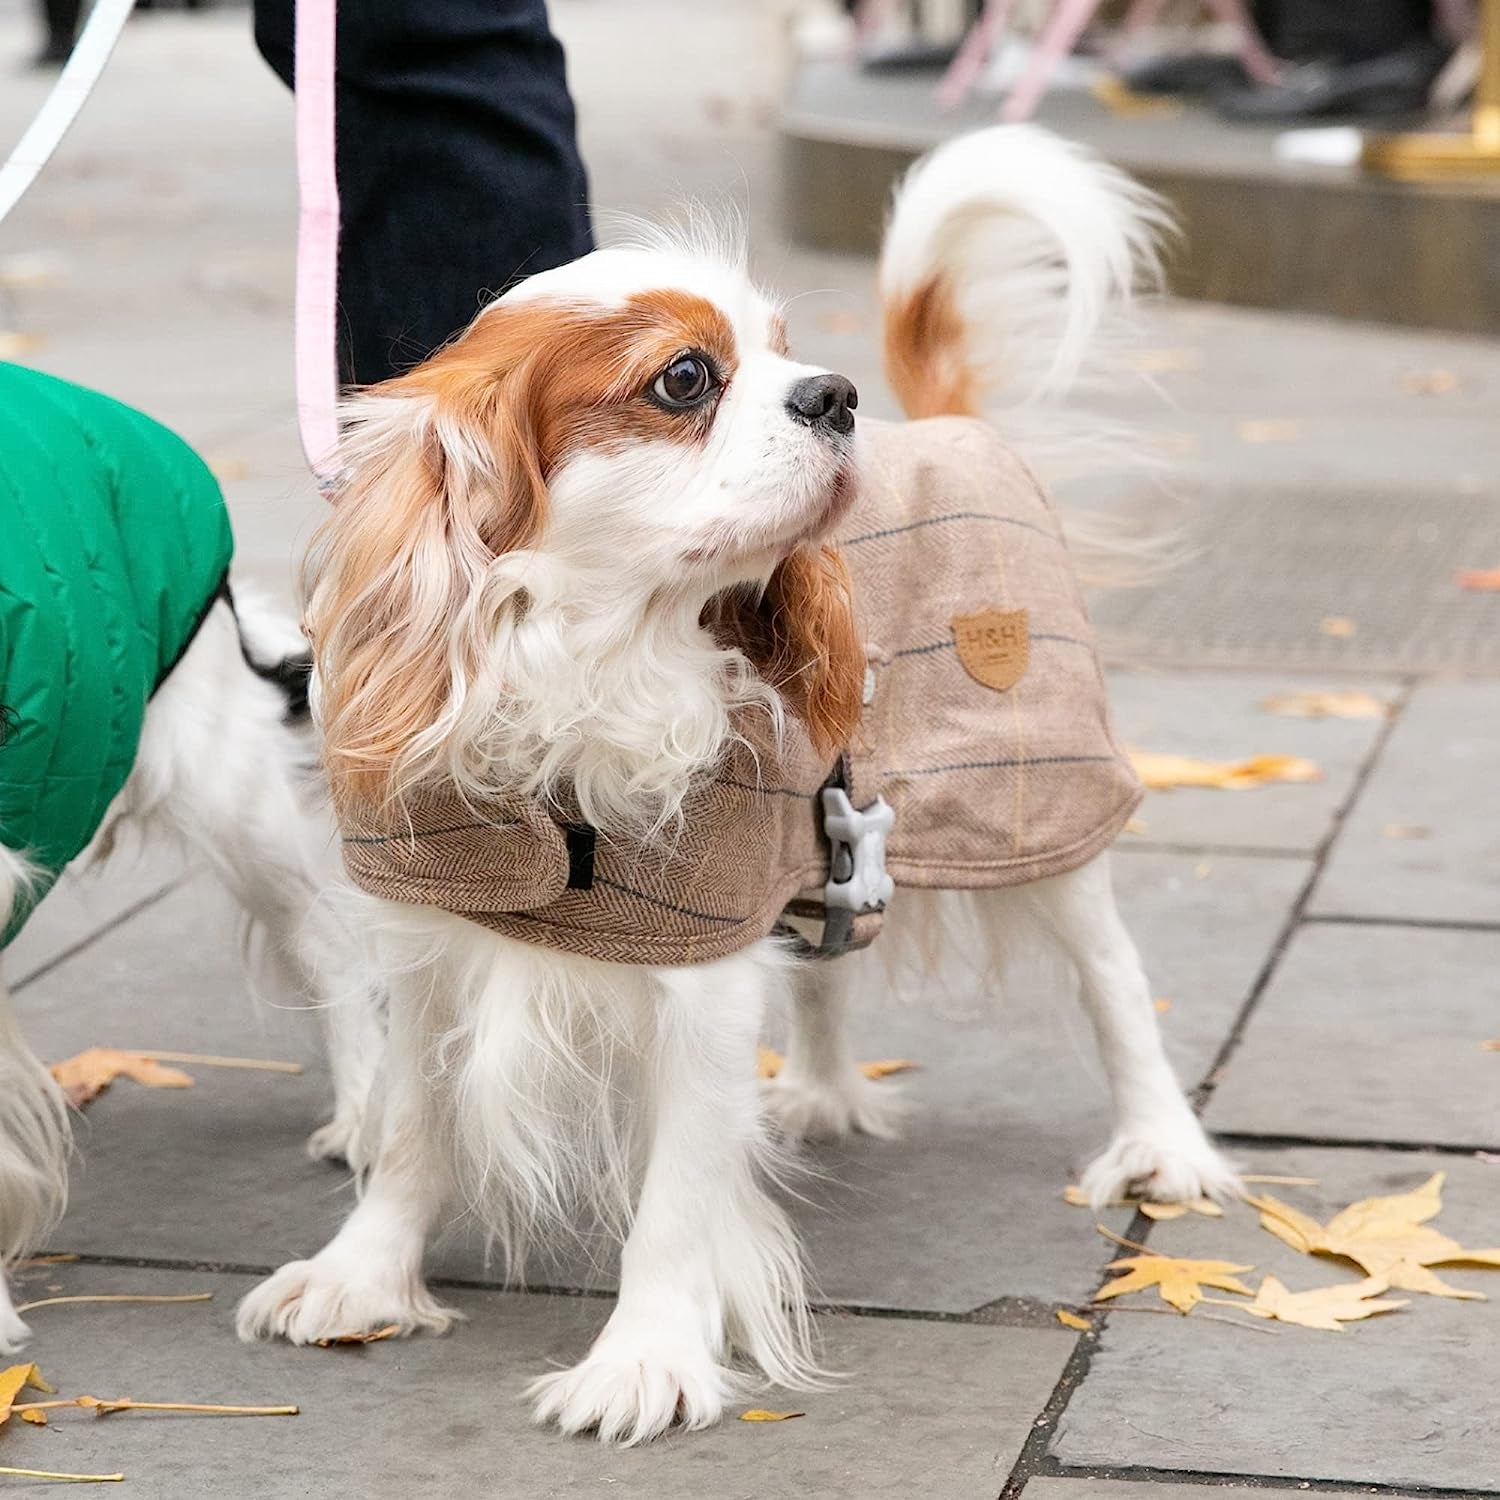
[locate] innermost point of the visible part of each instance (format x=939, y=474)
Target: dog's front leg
x=711, y=1263
x=369, y=1275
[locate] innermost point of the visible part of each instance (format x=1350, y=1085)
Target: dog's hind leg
x=224, y=768
x=33, y=1156
x=1158, y=1147
x=820, y=1093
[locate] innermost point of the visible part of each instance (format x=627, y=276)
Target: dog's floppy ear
x=802, y=637
x=439, y=475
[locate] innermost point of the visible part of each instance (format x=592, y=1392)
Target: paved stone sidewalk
x=1329, y=984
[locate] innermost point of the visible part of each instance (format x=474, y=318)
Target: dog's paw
x=632, y=1388
x=13, y=1332
x=342, y=1139
x=329, y=1297
x=806, y=1109
x=1174, y=1163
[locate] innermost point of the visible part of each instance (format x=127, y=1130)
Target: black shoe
x=1192, y=74
x=1393, y=85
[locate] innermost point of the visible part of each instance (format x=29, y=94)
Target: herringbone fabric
x=992, y=786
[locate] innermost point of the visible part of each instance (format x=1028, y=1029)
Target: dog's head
x=615, y=456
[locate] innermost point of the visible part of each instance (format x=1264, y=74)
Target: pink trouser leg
x=977, y=47
x=1059, y=36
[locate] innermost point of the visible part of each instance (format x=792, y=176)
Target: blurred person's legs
x=1357, y=58
x=60, y=17
x=458, y=167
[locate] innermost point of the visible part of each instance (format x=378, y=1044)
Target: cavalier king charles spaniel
x=514, y=599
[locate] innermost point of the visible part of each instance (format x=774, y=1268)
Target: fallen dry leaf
x=1430, y=382
x=755, y=1414
x=1270, y=430
x=1350, y=704
x=36, y=1418
x=1386, y=1237
x=33, y=270
x=1166, y=361
x=1325, y=1307
x=1135, y=825
x=1072, y=1320
x=376, y=1336
x=1074, y=1195
x=229, y=470
x=1405, y=831
x=885, y=1066
x=87, y=1075
x=1478, y=580
x=1180, y=1282
x=1161, y=1006
x=1163, y=772
x=13, y=1381
x=1125, y=103
x=768, y=1064
x=1340, y=627
x=1491, y=1046
x=63, y=1478
x=1204, y=1206
x=17, y=345
x=840, y=320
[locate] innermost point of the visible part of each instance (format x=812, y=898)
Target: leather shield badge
x=994, y=646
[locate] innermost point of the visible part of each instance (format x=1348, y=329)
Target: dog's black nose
x=824, y=401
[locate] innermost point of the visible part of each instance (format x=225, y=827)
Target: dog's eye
x=687, y=381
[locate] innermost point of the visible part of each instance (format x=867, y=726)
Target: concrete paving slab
x=1391, y=1401
x=1433, y=786
x=1218, y=717
x=1372, y=1033
x=1124, y=1489
x=930, y=1410
x=1005, y=1111
x=84, y=902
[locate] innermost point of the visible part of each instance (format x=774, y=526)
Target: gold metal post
x=1435, y=157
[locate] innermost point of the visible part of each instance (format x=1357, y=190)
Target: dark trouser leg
x=61, y=17
x=1342, y=30
x=457, y=165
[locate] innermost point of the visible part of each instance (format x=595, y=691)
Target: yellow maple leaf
x=1348, y=704
x=756, y=1414
x=1325, y=1307
x=1180, y=1282
x=13, y=1381
x=768, y=1064
x=1075, y=1195
x=1163, y=772
x=1072, y=1320
x=86, y=1076
x=1386, y=1237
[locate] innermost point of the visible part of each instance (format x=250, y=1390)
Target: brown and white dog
x=509, y=601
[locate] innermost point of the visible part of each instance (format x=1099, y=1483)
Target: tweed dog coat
x=986, y=729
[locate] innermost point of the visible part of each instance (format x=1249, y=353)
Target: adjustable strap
x=858, y=887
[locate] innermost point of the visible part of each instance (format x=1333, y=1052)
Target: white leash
x=60, y=108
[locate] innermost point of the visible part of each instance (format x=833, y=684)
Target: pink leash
x=317, y=239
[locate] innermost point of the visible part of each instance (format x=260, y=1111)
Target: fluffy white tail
x=1009, y=255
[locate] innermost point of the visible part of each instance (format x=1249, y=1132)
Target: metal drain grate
x=1272, y=566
